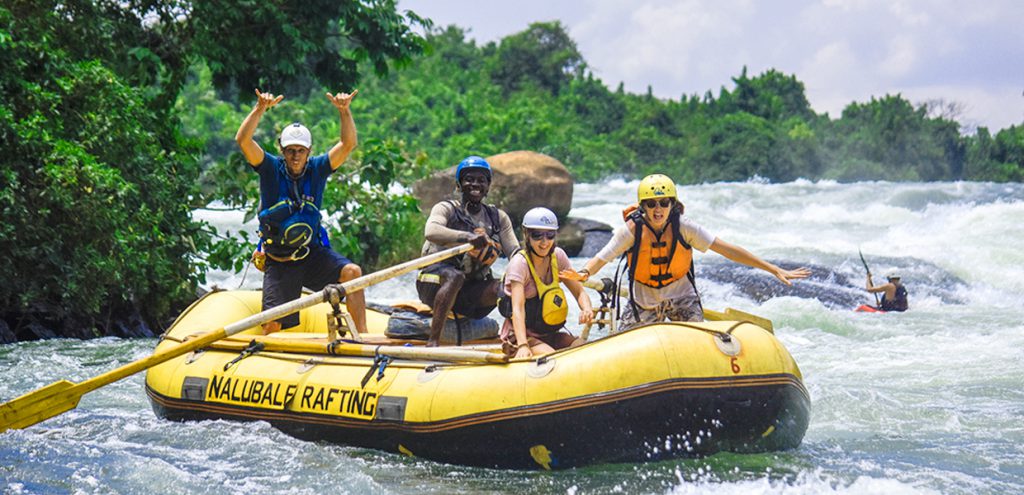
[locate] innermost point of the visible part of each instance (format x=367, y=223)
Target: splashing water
x=929, y=401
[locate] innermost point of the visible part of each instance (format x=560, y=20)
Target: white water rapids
x=928, y=401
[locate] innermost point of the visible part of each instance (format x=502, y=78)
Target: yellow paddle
x=59, y=397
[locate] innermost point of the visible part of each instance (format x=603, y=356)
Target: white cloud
x=901, y=57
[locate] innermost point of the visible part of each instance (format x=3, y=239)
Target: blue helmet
x=472, y=162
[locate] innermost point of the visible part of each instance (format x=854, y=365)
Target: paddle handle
x=600, y=286
x=862, y=260
x=342, y=289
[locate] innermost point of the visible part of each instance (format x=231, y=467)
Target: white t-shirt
x=649, y=297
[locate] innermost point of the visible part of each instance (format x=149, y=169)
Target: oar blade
x=63, y=396
x=735, y=314
x=39, y=405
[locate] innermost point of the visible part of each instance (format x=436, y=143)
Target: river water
x=929, y=401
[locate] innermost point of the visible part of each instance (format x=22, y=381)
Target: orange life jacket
x=657, y=260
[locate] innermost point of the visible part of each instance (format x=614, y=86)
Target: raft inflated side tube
x=739, y=388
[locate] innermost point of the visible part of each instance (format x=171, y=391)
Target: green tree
x=771, y=96
x=999, y=159
x=92, y=186
x=543, y=55
x=741, y=146
x=97, y=182
x=904, y=142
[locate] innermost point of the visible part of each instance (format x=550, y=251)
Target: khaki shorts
x=686, y=308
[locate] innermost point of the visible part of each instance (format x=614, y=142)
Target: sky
x=967, y=55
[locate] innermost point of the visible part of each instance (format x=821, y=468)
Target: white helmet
x=540, y=219
x=296, y=134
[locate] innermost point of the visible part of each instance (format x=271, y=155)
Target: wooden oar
x=321, y=347
x=59, y=397
x=599, y=286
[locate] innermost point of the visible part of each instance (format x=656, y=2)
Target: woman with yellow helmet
x=658, y=242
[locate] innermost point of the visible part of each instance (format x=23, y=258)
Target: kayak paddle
x=877, y=303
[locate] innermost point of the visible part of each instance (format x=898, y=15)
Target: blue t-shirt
x=273, y=173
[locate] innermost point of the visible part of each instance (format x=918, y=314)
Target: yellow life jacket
x=548, y=311
x=657, y=260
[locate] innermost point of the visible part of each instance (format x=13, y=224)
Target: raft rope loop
x=726, y=336
x=339, y=323
x=621, y=269
x=244, y=274
x=253, y=348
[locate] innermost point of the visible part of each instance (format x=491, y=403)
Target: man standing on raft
x=291, y=194
x=660, y=243
x=464, y=284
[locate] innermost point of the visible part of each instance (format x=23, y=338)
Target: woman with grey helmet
x=533, y=302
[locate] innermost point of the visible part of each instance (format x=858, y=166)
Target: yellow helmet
x=655, y=186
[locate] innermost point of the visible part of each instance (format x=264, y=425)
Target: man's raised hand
x=342, y=100
x=266, y=100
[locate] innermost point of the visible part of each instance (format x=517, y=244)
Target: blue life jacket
x=288, y=226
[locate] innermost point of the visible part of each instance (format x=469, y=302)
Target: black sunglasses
x=543, y=234
x=651, y=203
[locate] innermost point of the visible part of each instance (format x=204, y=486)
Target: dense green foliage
x=117, y=119
x=97, y=182
x=531, y=91
x=92, y=184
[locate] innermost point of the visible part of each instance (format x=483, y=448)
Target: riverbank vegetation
x=97, y=179
x=117, y=120
x=534, y=90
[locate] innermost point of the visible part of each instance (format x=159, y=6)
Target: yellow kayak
x=654, y=392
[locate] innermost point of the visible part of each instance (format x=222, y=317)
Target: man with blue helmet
x=293, y=243
x=464, y=284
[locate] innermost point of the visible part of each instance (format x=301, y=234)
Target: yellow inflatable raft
x=654, y=392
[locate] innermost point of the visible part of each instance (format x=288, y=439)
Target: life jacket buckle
x=295, y=255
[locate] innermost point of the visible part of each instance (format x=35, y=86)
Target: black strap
x=253, y=348
x=638, y=226
x=380, y=362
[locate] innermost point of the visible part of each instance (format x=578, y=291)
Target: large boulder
x=521, y=180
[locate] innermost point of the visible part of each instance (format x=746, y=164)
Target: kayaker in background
x=894, y=294
x=658, y=242
x=533, y=301
x=464, y=284
x=294, y=251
